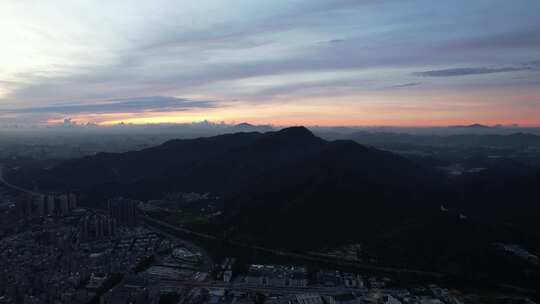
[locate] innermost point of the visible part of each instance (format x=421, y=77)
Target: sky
x=295, y=62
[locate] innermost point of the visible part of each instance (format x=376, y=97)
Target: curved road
x=263, y=249
x=299, y=256
x=12, y=186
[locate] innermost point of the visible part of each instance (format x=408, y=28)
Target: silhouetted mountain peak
x=292, y=136
x=477, y=125
x=288, y=137
x=298, y=132
x=244, y=125
x=472, y=126
x=247, y=127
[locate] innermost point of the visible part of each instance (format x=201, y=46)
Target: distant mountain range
x=291, y=176
x=472, y=126
x=244, y=127
x=229, y=161
x=291, y=189
x=515, y=140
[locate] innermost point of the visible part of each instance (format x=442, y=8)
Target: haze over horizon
x=269, y=151
x=304, y=62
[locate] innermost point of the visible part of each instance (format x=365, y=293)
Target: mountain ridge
x=224, y=163
x=290, y=189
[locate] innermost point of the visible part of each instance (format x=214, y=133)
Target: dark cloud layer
x=129, y=105
x=290, y=53
x=470, y=71
x=405, y=85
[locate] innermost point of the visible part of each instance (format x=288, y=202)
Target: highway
x=241, y=286
x=298, y=256
x=160, y=225
x=14, y=187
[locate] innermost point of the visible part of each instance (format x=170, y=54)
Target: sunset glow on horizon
x=309, y=62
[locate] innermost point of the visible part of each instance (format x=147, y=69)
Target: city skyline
x=338, y=63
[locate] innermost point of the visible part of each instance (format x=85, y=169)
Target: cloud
x=128, y=105
x=405, y=85
x=523, y=38
x=336, y=41
x=470, y=71
x=252, y=52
